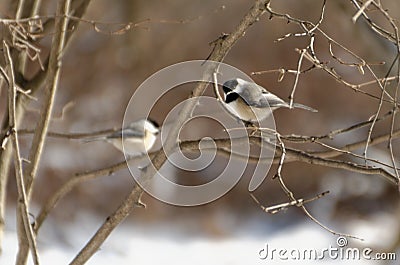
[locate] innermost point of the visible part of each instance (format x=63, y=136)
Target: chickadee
x=139, y=137
x=251, y=102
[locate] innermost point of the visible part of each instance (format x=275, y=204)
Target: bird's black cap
x=153, y=122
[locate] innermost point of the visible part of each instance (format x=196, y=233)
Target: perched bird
x=250, y=102
x=139, y=137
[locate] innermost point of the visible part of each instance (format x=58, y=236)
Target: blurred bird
x=139, y=137
x=250, y=102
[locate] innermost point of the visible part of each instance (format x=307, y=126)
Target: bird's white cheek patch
x=149, y=141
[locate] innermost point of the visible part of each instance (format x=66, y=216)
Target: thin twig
x=53, y=76
x=216, y=90
x=273, y=209
x=71, y=136
x=315, y=159
x=353, y=154
x=360, y=144
x=332, y=134
x=395, y=109
x=290, y=194
x=23, y=212
x=379, y=109
x=361, y=10
x=311, y=57
x=296, y=79
x=33, y=27
x=336, y=76
x=282, y=72
x=379, y=30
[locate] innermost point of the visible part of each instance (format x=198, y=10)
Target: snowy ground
x=135, y=244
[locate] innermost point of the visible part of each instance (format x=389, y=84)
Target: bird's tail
x=93, y=139
x=301, y=106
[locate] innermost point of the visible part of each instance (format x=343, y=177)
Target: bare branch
x=378, y=111
x=53, y=75
x=379, y=30
x=361, y=10
x=310, y=139
x=296, y=79
x=317, y=159
x=25, y=231
x=222, y=146
x=284, y=206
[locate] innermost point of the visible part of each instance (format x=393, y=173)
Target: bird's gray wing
x=259, y=97
x=274, y=101
x=127, y=132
